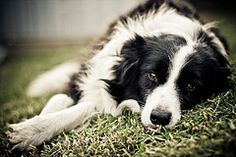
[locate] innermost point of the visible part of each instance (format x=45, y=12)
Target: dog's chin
x=152, y=127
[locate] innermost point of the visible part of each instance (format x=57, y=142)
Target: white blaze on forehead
x=166, y=97
x=178, y=62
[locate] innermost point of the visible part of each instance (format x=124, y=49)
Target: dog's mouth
x=153, y=127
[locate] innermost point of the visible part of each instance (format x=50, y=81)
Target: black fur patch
x=205, y=39
x=73, y=90
x=206, y=71
x=183, y=8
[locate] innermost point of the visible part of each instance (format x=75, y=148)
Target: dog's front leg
x=41, y=128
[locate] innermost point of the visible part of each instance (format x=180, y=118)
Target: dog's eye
x=152, y=77
x=190, y=87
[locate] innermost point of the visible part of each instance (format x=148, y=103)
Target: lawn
x=209, y=129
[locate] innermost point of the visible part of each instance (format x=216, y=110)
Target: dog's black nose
x=160, y=117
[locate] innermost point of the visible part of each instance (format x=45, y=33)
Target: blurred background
x=38, y=23
x=50, y=21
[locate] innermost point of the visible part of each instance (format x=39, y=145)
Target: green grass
x=209, y=129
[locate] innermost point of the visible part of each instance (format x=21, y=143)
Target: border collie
x=157, y=60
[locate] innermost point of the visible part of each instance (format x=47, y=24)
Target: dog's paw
x=130, y=104
x=31, y=132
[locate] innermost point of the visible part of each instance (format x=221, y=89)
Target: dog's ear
x=131, y=54
x=216, y=42
x=126, y=71
x=219, y=71
x=133, y=48
x=222, y=39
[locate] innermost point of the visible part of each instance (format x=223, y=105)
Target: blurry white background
x=58, y=20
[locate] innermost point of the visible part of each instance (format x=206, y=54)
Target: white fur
x=38, y=129
x=165, y=96
x=54, y=80
x=57, y=103
x=130, y=104
x=51, y=122
x=178, y=61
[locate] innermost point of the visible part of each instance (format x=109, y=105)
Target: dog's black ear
x=126, y=71
x=217, y=80
x=133, y=48
x=204, y=38
x=217, y=68
x=222, y=39
x=131, y=53
x=183, y=7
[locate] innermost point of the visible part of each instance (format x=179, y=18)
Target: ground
x=209, y=129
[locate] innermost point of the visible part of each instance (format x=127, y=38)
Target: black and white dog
x=157, y=59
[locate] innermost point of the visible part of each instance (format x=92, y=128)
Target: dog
x=157, y=60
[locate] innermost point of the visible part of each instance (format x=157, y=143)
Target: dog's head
x=169, y=62
x=167, y=73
